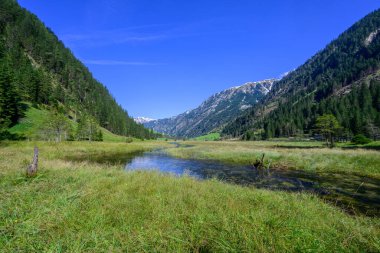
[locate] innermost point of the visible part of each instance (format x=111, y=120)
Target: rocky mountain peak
x=215, y=111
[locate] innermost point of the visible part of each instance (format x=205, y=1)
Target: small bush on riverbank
x=360, y=140
x=129, y=140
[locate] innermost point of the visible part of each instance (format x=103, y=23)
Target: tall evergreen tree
x=10, y=106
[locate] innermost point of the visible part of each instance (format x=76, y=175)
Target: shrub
x=6, y=135
x=360, y=139
x=129, y=140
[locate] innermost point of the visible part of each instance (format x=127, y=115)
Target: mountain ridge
x=214, y=112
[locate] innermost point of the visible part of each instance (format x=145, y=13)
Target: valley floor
x=83, y=201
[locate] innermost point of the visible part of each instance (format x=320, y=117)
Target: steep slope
x=37, y=68
x=213, y=113
x=342, y=79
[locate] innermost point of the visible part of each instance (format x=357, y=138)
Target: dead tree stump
x=31, y=171
x=259, y=164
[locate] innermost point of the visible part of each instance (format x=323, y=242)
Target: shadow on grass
x=362, y=147
x=297, y=147
x=374, y=147
x=4, y=144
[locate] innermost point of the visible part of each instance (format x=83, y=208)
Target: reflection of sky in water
x=364, y=193
x=164, y=164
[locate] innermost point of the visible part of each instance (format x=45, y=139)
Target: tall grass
x=87, y=205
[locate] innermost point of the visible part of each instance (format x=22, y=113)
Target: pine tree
x=10, y=104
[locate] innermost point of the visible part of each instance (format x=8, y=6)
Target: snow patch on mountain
x=143, y=120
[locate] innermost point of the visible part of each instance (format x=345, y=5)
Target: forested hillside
x=343, y=80
x=36, y=69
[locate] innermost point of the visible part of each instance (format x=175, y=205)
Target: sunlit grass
x=87, y=206
x=208, y=137
x=111, y=137
x=31, y=122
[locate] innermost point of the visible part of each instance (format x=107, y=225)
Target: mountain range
x=214, y=112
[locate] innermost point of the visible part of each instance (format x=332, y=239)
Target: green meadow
x=83, y=201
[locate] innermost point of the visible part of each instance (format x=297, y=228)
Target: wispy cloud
x=137, y=34
x=119, y=63
x=111, y=38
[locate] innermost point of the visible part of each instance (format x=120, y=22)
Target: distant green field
x=208, y=137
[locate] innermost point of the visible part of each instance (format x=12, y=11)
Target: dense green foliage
x=342, y=80
x=36, y=67
x=328, y=126
x=10, y=109
x=360, y=139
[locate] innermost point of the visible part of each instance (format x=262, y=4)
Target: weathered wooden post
x=32, y=168
x=259, y=164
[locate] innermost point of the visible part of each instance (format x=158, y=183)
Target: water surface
x=355, y=194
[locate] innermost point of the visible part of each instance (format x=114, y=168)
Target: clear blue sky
x=160, y=58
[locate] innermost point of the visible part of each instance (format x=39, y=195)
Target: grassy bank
x=310, y=156
x=81, y=203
